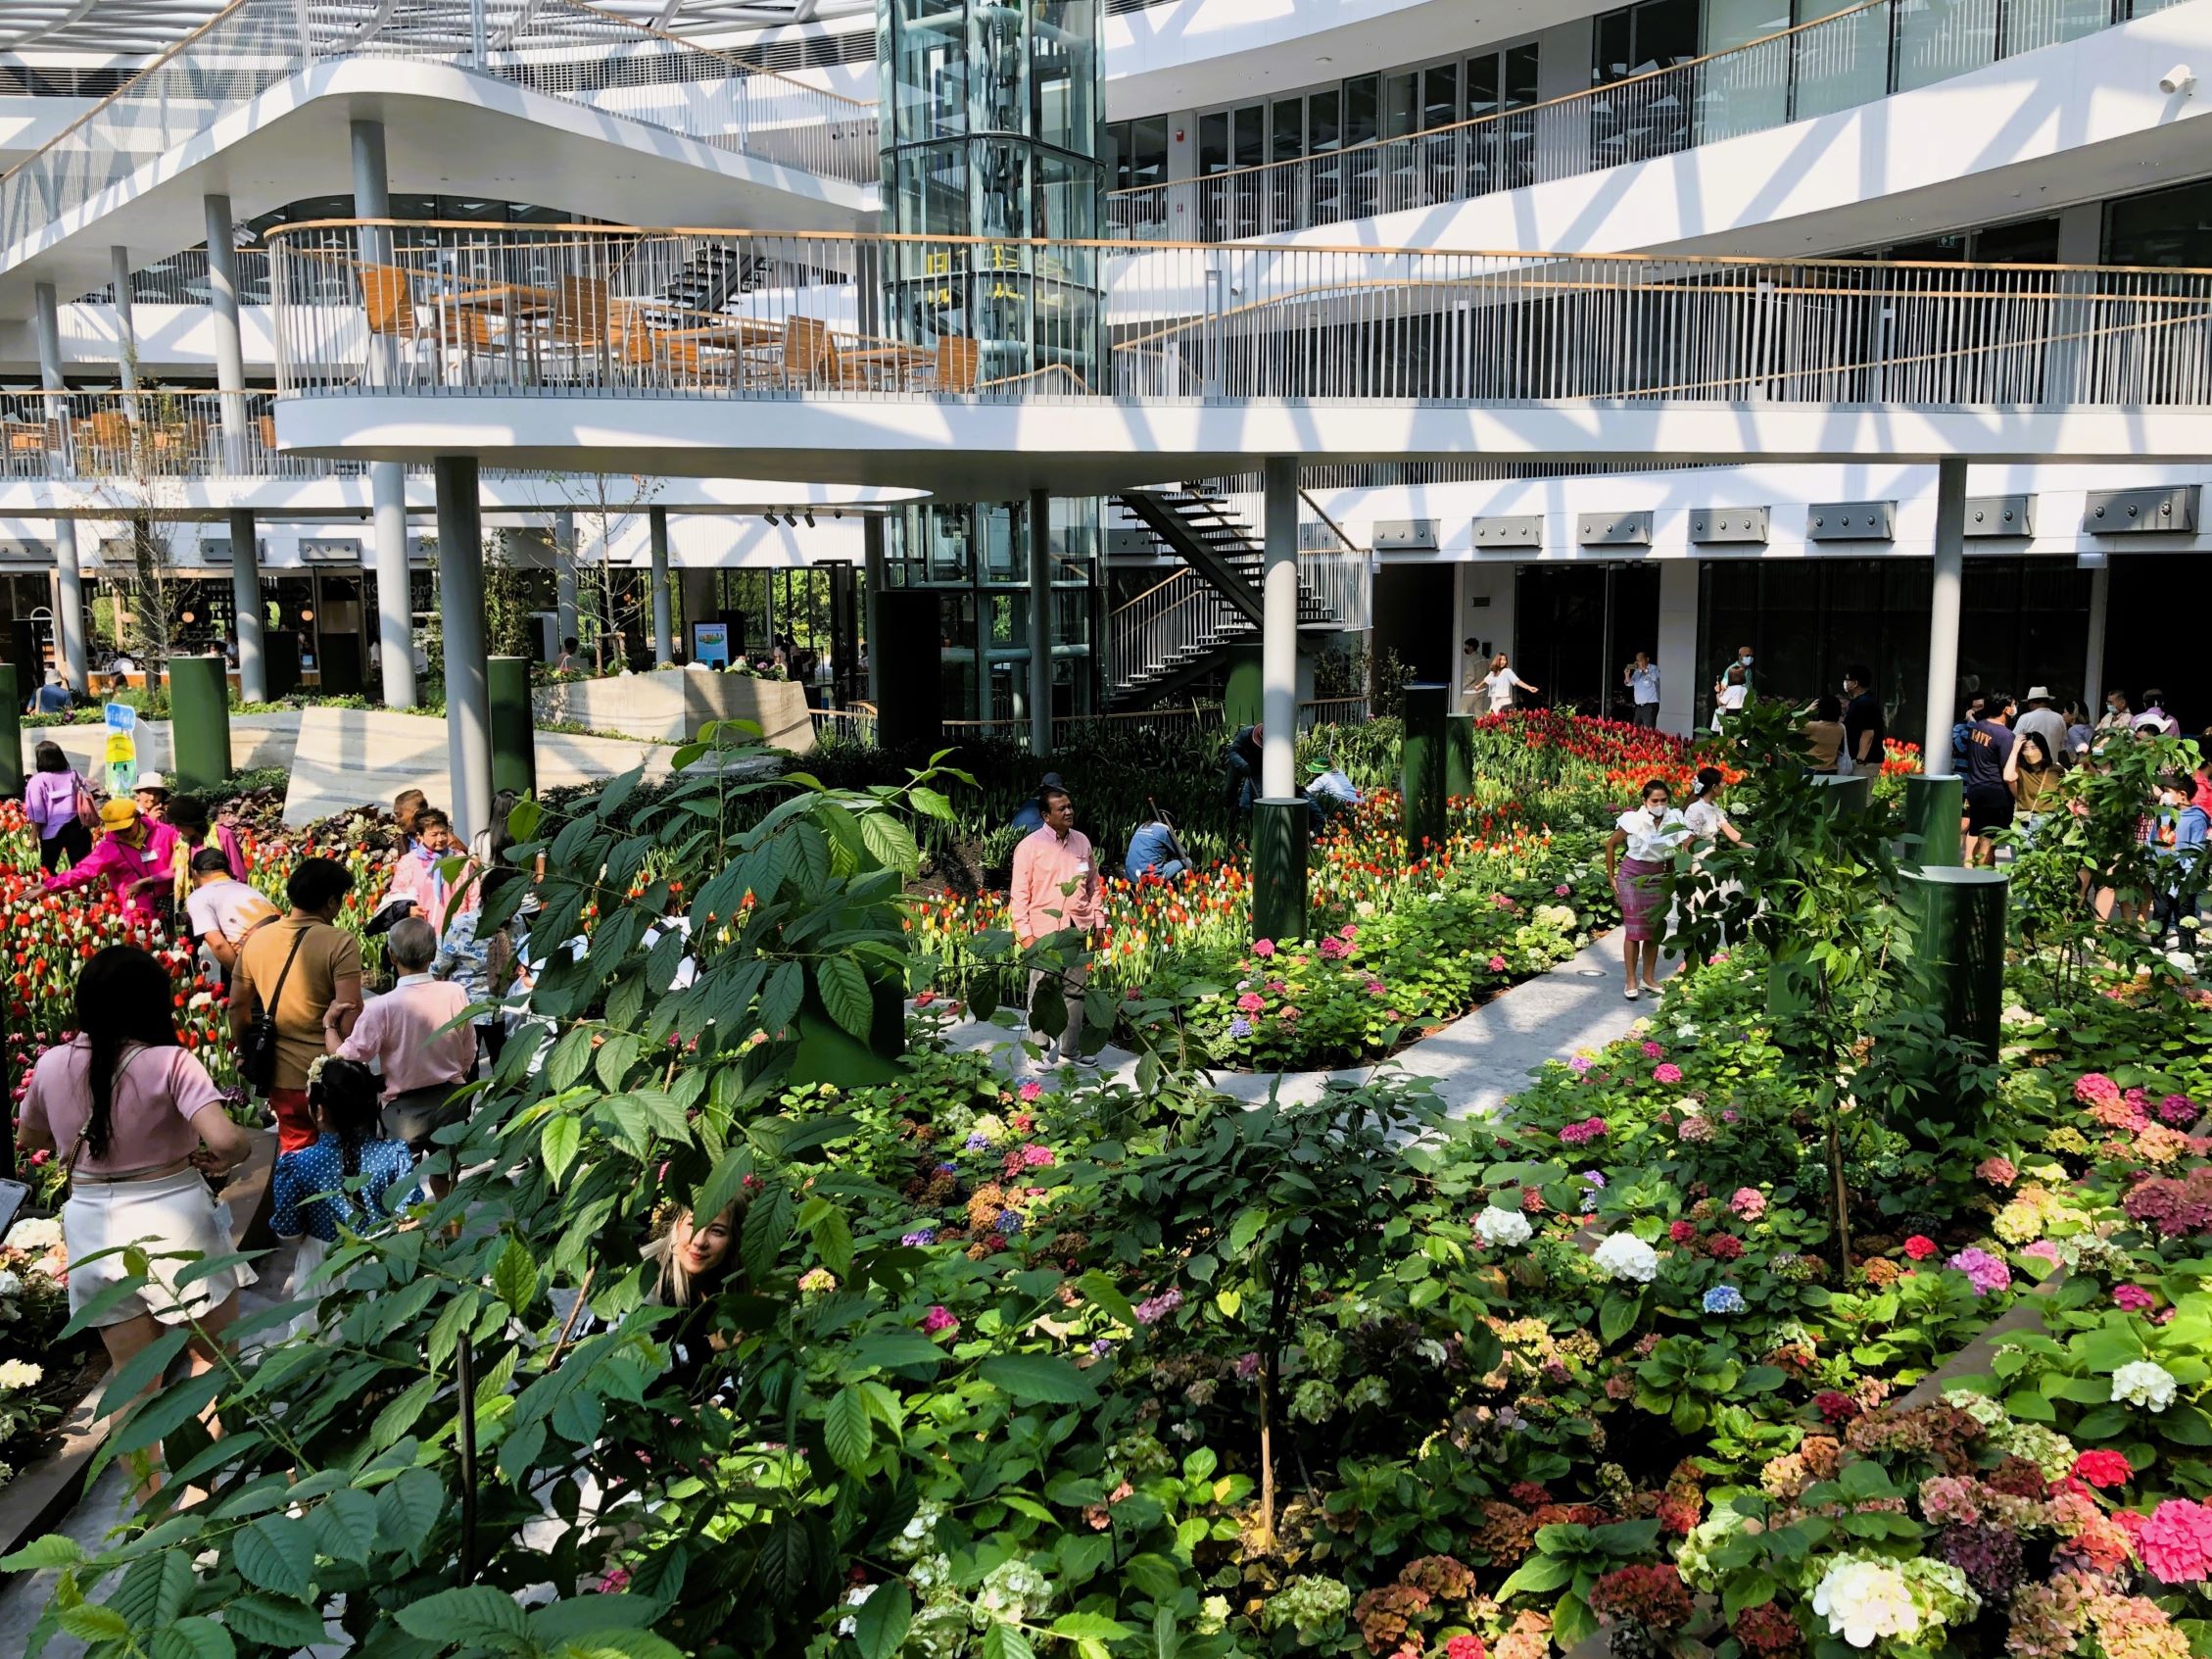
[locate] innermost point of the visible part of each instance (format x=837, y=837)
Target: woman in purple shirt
x=55, y=798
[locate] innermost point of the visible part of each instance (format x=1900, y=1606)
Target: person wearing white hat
x=2039, y=717
x=151, y=792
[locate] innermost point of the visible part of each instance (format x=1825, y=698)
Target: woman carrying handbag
x=59, y=805
x=141, y=1131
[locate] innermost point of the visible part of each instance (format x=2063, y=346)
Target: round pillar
x=1932, y=811
x=1960, y=947
x=1279, y=830
x=198, y=700
x=514, y=732
x=1422, y=779
x=1459, y=754
x=1241, y=703
x=1855, y=794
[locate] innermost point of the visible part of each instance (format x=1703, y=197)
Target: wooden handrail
x=1306, y=496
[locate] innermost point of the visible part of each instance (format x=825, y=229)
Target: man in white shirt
x=1642, y=679
x=2047, y=723
x=222, y=911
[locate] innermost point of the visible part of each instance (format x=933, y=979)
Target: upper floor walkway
x=978, y=366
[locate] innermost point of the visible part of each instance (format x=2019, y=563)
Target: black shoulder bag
x=256, y=1049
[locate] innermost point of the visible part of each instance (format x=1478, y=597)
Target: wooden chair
x=810, y=358
x=388, y=302
x=581, y=317
x=957, y=358
x=104, y=440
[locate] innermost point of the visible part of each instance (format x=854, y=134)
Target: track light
x=810, y=518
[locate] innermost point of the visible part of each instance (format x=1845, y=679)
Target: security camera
x=2180, y=78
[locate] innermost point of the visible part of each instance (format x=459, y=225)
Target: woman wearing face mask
x=1729, y=694
x=2033, y=773
x=2175, y=838
x=1649, y=836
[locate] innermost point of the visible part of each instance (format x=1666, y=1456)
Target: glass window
x=2032, y=241
x=1401, y=104
x=1363, y=106
x=1483, y=87
x=1439, y=95
x=1936, y=39
x=1843, y=65
x=1213, y=141
x=2172, y=227
x=1324, y=122
x=1250, y=135
x=1288, y=123
x=2048, y=22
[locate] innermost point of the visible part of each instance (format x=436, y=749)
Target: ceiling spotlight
x=810, y=518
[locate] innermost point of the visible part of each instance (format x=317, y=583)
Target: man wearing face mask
x=1742, y=659
x=1863, y=732
x=2118, y=718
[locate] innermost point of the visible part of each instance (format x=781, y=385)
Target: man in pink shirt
x=1055, y=889
x=417, y=1036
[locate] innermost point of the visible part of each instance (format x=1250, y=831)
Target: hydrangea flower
x=1307, y=1606
x=2145, y=1383
x=1724, y=1299
x=1241, y=1027
x=1030, y=1089
x=1497, y=964
x=1749, y=1204
x=1262, y=948
x=1987, y=1273
x=1997, y=1171
x=920, y=1237
x=1920, y=1247
x=2177, y=1541
x=1865, y=1601
x=1153, y=1309
x=939, y=1318
x=1580, y=1063
x=1624, y=1257
x=2132, y=1298
x=18, y=1374
x=1667, y=1072
x=1502, y=1229
x=2103, y=1469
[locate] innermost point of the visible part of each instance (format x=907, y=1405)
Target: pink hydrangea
x=2133, y=1298
x=1497, y=964
x=1987, y=1273
x=2043, y=1250
x=1997, y=1171
x=1467, y=1646
x=1695, y=1127
x=2177, y=1109
x=1030, y=1089
x=939, y=1319
x=1348, y=932
x=1579, y=1134
x=1262, y=948
x=1502, y=902
x=2177, y=1541
x=1749, y=1204
x=1375, y=988
x=1561, y=891
x=1667, y=1072
x=1332, y=949
x=1251, y=1001
x=1652, y=1052
x=2094, y=1086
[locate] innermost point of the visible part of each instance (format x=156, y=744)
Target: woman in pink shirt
x=140, y=1127
x=123, y=860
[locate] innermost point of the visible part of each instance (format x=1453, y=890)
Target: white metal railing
x=182, y=279
x=1171, y=622
x=559, y=47
x=1334, y=586
x=557, y=310
x=1853, y=56
x=126, y=444
x=1333, y=711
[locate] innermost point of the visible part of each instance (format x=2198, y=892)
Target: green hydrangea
x=2049, y=1451
x=1367, y=1391
x=1323, y=1350
x=1307, y=1606
x=1313, y=1402
x=1212, y=1616
x=1009, y=1592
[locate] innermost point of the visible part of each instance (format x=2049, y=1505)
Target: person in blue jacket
x=1155, y=848
x=1028, y=817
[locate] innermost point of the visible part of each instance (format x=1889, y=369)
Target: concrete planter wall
x=673, y=704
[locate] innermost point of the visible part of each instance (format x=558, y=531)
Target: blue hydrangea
x=1241, y=1027
x=978, y=1141
x=1724, y=1299
x=948, y=1169
x=1009, y=1221
x=919, y=1237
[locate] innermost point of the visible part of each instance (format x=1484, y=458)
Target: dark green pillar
x=1279, y=830
x=1240, y=693
x=199, y=702
x=514, y=728
x=1422, y=779
x=1459, y=754
x=1855, y=794
x=1932, y=809
x=905, y=656
x=1959, y=950
x=11, y=734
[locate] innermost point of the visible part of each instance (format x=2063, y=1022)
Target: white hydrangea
x=1623, y=1255
x=19, y=1374
x=33, y=1233
x=1557, y=917
x=1008, y=1593
x=11, y=1284
x=848, y=1625
x=1864, y=1601
x=1502, y=1228
x=908, y=1544
x=2143, y=1383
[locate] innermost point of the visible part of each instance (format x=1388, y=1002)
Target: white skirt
x=165, y=1217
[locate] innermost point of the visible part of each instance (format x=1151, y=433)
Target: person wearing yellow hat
x=121, y=860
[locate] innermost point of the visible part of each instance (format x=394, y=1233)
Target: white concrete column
x=461, y=604
x=222, y=308
x=247, y=614
x=663, y=611
x=372, y=199
x=395, y=598
x=2093, y=660
x=1278, y=632
x=1678, y=644
x=68, y=576
x=1040, y=622
x=565, y=579
x=126, y=327
x=1943, y=616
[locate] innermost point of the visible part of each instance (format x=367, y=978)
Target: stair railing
x=1181, y=616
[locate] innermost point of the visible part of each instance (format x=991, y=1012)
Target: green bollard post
x=199, y=702
x=1960, y=947
x=1421, y=786
x=1932, y=811
x=11, y=735
x=514, y=729
x=1459, y=754
x=1278, y=869
x=1242, y=691
x=1855, y=794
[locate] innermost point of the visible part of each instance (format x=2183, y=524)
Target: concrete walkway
x=1476, y=1061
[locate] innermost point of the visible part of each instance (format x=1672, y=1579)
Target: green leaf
x=1095, y=1626
x=845, y=993
x=1103, y=1293
x=845, y=1429
x=1746, y=1590
x=569, y=1057
x=896, y=1351
x=881, y=1622
x=285, y=1625
x=564, y=1134
x=1617, y=1315
x=1006, y=1641
x=767, y=1225
x=276, y=1553
x=396, y=1418
x=1536, y=1575
x=591, y=1615
x=408, y=1508
x=787, y=987
x=1039, y=1377
x=155, y=1590
x=345, y=1525
x=51, y=1550
x=514, y=1276
x=477, y=1615
x=194, y=1638
x=144, y=1368
x=724, y=1184
x=832, y=1240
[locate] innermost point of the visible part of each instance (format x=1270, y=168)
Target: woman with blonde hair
x=694, y=1261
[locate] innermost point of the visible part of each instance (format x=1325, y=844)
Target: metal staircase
x=1171, y=633
x=714, y=275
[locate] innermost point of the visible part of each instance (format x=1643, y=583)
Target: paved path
x=1476, y=1061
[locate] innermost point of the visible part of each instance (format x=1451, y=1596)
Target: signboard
x=710, y=644
x=123, y=748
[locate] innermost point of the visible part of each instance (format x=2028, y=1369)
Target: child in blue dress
x=349, y=1176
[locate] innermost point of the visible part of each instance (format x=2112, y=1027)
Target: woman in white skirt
x=140, y=1127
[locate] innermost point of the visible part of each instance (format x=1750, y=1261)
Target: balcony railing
x=128, y=447
x=555, y=312
x=182, y=279
x=1851, y=57
x=562, y=48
